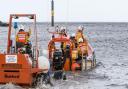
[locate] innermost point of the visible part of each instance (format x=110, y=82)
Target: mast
x=52, y=13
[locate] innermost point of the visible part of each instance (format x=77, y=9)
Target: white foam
x=43, y=63
x=10, y=86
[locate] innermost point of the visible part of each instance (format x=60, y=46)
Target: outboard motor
x=58, y=64
x=57, y=60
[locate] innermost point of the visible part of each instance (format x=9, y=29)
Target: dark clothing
x=28, y=49
x=19, y=45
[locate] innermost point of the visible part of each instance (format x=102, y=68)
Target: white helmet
x=62, y=28
x=73, y=35
x=80, y=28
x=80, y=40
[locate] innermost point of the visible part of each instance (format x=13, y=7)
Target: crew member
x=21, y=38
x=63, y=31
x=52, y=48
x=73, y=41
x=63, y=47
x=82, y=49
x=80, y=34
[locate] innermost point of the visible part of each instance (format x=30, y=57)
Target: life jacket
x=73, y=44
x=78, y=36
x=22, y=37
x=82, y=48
x=52, y=47
x=63, y=45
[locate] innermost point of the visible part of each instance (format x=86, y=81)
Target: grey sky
x=68, y=10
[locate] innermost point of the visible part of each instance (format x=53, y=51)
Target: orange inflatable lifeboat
x=64, y=54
